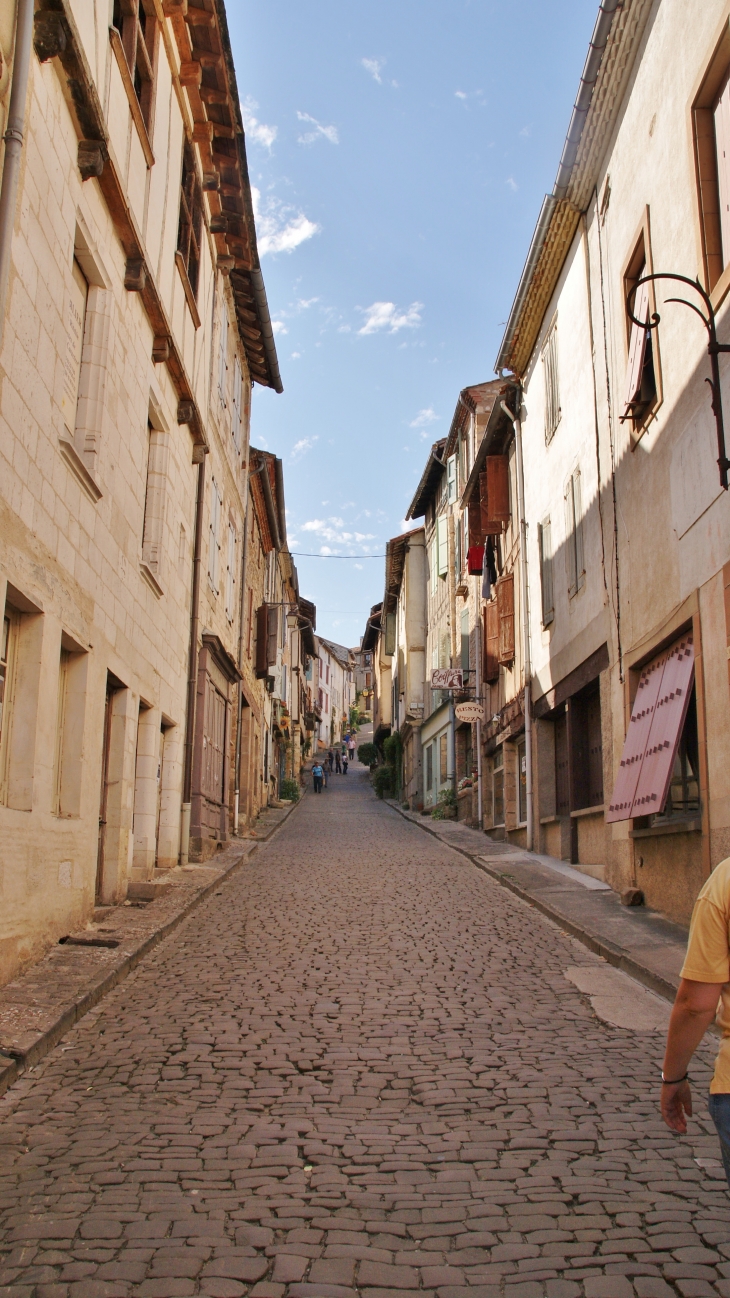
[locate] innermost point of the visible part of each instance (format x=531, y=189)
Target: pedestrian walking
x=344, y=766
x=705, y=979
x=351, y=749
x=338, y=763
x=330, y=759
x=317, y=777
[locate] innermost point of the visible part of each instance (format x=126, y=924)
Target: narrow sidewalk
x=636, y=939
x=39, y=1006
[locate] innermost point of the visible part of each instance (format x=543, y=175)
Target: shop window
x=574, y=554
x=498, y=788
x=545, y=545
x=429, y=768
x=552, y=389
x=443, y=760
x=522, y=782
x=711, y=130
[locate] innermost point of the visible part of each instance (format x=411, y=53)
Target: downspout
x=244, y=569
x=271, y=511
x=192, y=662
x=480, y=670
x=13, y=137
x=517, y=424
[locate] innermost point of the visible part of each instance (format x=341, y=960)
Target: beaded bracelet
x=675, y=1082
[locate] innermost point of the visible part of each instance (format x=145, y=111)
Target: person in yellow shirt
x=705, y=981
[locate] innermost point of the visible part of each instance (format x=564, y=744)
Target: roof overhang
x=496, y=437
x=430, y=477
x=395, y=562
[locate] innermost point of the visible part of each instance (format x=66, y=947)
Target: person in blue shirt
x=317, y=777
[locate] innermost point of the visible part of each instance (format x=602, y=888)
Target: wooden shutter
x=655, y=729
x=498, y=491
x=491, y=641
x=570, y=551
x=223, y=355
x=443, y=545
x=451, y=479
x=476, y=533
x=544, y=537
x=722, y=147
x=272, y=635
x=637, y=348
x=506, y=607
x=262, y=620
x=483, y=504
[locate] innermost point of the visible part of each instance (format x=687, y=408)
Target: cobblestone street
x=359, y=1067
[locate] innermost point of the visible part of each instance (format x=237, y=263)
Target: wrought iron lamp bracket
x=714, y=348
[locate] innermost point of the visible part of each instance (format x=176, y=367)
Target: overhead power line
x=302, y=554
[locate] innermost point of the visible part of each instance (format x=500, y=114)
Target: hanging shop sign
x=469, y=711
x=447, y=678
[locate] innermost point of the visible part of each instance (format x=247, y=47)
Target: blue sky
x=399, y=151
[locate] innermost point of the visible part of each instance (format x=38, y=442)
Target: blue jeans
x=719, y=1106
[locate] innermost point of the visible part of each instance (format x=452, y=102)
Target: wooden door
x=104, y=791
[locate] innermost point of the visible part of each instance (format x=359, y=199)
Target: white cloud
x=256, y=131
x=301, y=447
x=512, y=183
x=279, y=327
x=424, y=418
x=329, y=531
x=385, y=315
x=460, y=94
x=278, y=227
x=374, y=67
x=319, y=132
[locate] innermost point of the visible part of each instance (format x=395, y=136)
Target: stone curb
x=14, y=1064
x=600, y=946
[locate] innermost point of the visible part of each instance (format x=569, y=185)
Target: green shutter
x=443, y=545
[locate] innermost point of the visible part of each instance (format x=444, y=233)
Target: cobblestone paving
x=358, y=1068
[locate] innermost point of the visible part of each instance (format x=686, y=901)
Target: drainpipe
x=480, y=811
x=517, y=425
x=451, y=746
x=250, y=473
x=192, y=660
x=13, y=137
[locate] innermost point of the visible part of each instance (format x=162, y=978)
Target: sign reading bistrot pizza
x=469, y=711
x=447, y=678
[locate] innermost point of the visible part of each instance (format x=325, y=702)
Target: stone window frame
x=701, y=118
x=81, y=444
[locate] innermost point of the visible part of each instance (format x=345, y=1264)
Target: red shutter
x=491, y=641
x=498, y=491
x=483, y=504
x=476, y=535
x=506, y=606
x=655, y=729
x=475, y=560
x=637, y=348
x=261, y=636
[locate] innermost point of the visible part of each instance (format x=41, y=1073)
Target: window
x=491, y=641
x=465, y=640
x=545, y=544
x=8, y=658
x=190, y=224
x=389, y=635
x=231, y=573
x=214, y=542
x=457, y=548
x=506, y=613
x=154, y=503
x=443, y=545
x=494, y=499
x=434, y=562
x=237, y=420
x=68, y=755
x=76, y=303
x=683, y=798
x=574, y=533
x=522, y=782
x=223, y=356
x=138, y=30
x=498, y=788
x=587, y=747
x=552, y=389
x=60, y=728
x=250, y=619
x=429, y=767
x=443, y=760
x=367, y=680
x=367, y=660
x=640, y=392
x=451, y=479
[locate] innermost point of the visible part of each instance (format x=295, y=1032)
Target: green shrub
x=438, y=812
x=392, y=747
x=289, y=790
x=383, y=781
x=448, y=797
x=367, y=754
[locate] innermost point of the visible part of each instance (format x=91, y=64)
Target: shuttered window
x=433, y=560
x=231, y=573
x=214, y=733
x=214, y=540
x=476, y=533
x=443, y=545
x=506, y=607
x=190, y=222
x=465, y=640
x=637, y=351
x=574, y=557
x=451, y=479
x=223, y=356
x=261, y=646
x=654, y=733
x=457, y=547
x=491, y=642
x=272, y=635
x=552, y=388
x=544, y=540
x=154, y=504
x=494, y=495
x=237, y=412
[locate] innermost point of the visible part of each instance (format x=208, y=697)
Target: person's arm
x=694, y=1009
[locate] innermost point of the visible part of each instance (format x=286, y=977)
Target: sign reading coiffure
x=447, y=678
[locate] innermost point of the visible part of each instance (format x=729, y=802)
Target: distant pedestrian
x=317, y=777
x=338, y=763
x=331, y=760
x=344, y=766
x=351, y=749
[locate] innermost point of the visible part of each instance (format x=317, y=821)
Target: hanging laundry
x=489, y=570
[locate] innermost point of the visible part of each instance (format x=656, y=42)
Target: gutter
x=279, y=477
x=14, y=137
x=270, y=508
x=596, y=49
x=256, y=280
